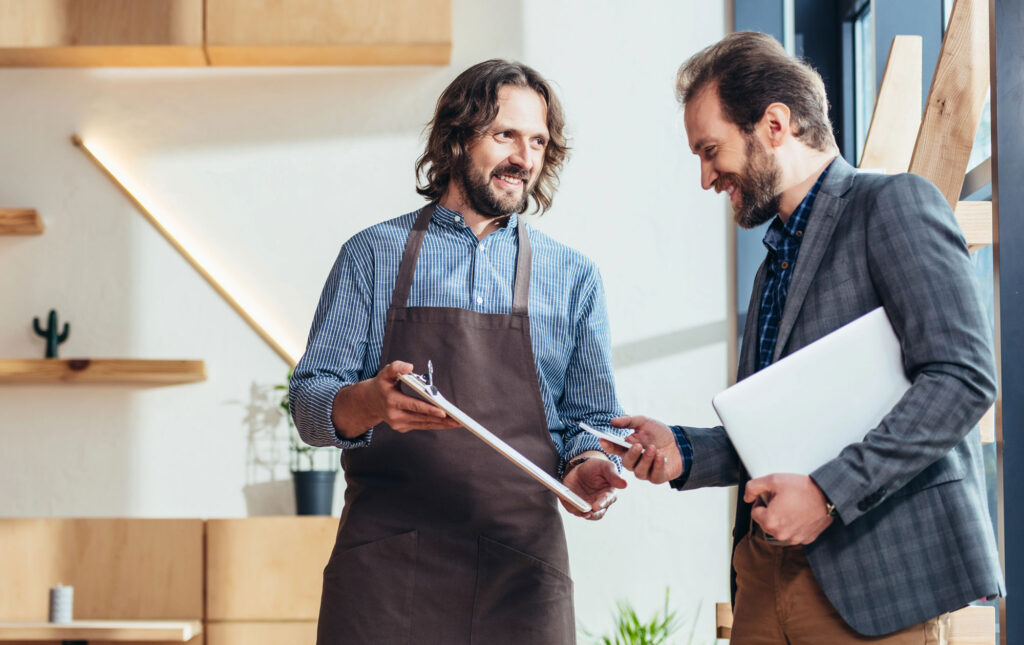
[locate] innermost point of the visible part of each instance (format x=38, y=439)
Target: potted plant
x=313, y=469
x=631, y=630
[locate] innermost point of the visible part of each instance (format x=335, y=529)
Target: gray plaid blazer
x=913, y=539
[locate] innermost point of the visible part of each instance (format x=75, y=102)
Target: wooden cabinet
x=153, y=33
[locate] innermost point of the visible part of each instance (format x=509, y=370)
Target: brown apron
x=443, y=540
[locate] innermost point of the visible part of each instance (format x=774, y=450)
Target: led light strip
x=288, y=356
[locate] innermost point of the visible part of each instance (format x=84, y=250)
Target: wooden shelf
x=100, y=370
x=107, y=630
x=20, y=221
x=101, y=33
x=155, y=33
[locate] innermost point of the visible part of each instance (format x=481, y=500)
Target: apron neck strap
x=403, y=284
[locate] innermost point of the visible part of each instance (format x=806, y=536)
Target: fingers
x=627, y=421
x=611, y=448
x=756, y=488
x=643, y=466
x=632, y=457
x=391, y=371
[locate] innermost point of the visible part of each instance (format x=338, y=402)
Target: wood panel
x=266, y=568
x=89, y=33
x=260, y=633
x=100, y=370
x=20, y=221
x=120, y=568
x=897, y=116
x=975, y=219
x=723, y=620
x=955, y=101
x=328, y=32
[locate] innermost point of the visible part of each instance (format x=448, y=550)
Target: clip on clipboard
x=424, y=387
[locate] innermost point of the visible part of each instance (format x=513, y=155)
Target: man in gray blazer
x=893, y=532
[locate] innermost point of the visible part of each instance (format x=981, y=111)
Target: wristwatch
x=572, y=464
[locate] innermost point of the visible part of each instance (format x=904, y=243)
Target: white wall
x=265, y=172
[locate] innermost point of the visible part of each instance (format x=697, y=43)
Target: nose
x=707, y=175
x=521, y=156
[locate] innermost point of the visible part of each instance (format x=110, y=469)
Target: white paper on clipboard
x=431, y=394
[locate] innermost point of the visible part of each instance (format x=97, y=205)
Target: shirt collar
x=793, y=227
x=453, y=219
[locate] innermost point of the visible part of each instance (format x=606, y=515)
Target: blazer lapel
x=828, y=206
x=748, y=350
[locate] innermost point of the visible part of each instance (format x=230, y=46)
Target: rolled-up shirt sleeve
x=335, y=350
x=589, y=394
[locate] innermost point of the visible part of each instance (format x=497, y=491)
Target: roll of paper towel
x=61, y=602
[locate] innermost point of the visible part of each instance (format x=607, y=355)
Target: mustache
x=511, y=171
x=721, y=183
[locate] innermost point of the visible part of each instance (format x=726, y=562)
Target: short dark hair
x=750, y=71
x=465, y=109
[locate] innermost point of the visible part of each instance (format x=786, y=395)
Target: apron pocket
x=368, y=593
x=520, y=599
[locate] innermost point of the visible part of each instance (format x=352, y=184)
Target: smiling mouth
x=512, y=180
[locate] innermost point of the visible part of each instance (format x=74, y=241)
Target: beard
x=758, y=186
x=487, y=201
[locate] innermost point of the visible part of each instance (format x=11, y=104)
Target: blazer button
x=863, y=505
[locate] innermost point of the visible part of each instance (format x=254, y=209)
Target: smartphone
x=607, y=436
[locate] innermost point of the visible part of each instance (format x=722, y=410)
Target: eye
x=540, y=142
x=709, y=152
x=504, y=135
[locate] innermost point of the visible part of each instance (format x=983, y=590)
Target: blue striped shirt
x=568, y=321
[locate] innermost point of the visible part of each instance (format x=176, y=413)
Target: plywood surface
x=897, y=116
x=120, y=568
x=260, y=633
x=100, y=370
x=20, y=221
x=328, y=32
x=955, y=101
x=109, y=630
x=266, y=568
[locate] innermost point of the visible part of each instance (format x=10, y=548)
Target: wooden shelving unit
x=100, y=370
x=20, y=221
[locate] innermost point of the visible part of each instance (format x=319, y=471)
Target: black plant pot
x=314, y=491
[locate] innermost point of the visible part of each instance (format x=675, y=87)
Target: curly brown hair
x=464, y=111
x=751, y=71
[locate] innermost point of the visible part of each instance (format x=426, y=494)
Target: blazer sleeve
x=920, y=268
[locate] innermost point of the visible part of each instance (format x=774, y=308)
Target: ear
x=776, y=123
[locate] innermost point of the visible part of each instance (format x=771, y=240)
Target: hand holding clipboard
x=423, y=386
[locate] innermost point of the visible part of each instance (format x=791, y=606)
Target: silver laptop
x=798, y=413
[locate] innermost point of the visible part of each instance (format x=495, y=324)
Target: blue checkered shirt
x=783, y=243
x=568, y=321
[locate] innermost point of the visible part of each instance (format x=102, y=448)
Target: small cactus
x=50, y=334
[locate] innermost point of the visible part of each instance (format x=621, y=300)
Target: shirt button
x=479, y=300
x=481, y=249
x=458, y=219
x=799, y=233
x=785, y=265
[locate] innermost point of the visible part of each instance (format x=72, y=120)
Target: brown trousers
x=779, y=602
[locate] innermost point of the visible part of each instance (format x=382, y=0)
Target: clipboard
x=424, y=387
